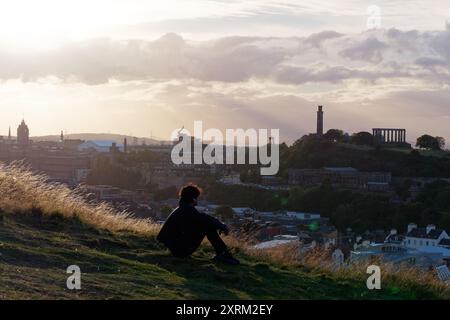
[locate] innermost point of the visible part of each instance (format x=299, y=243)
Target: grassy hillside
x=45, y=228
x=36, y=250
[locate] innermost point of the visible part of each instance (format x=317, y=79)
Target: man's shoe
x=227, y=258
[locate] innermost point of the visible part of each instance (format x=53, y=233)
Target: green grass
x=36, y=250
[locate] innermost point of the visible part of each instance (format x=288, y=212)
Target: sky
x=148, y=67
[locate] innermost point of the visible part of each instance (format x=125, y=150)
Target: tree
x=167, y=193
x=225, y=212
x=440, y=142
x=250, y=174
x=362, y=138
x=142, y=156
x=443, y=199
x=165, y=211
x=415, y=153
x=403, y=189
x=335, y=135
x=431, y=143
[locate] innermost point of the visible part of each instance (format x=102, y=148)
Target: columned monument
x=389, y=136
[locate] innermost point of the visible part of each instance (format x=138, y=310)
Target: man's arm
x=210, y=221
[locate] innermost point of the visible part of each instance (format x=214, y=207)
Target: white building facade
x=424, y=237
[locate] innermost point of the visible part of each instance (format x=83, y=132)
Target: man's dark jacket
x=185, y=228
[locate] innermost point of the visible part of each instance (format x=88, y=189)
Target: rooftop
x=341, y=169
x=422, y=233
x=272, y=244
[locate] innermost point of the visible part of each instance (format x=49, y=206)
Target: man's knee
x=185, y=249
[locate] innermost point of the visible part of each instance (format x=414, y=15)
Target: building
x=232, y=178
x=72, y=144
x=346, y=177
x=244, y=211
x=110, y=193
x=58, y=165
x=272, y=181
x=271, y=244
x=397, y=254
x=303, y=216
x=445, y=243
x=50, y=158
x=66, y=167
x=23, y=135
x=421, y=247
x=102, y=146
x=425, y=237
x=290, y=217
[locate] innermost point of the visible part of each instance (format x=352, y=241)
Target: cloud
x=316, y=39
x=430, y=62
x=323, y=57
x=369, y=49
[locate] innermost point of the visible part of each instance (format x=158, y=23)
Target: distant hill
x=313, y=153
x=100, y=136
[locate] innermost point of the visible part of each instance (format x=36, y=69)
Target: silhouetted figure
x=186, y=228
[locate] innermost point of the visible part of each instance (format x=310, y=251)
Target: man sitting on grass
x=185, y=229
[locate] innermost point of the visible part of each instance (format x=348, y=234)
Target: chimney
x=430, y=228
x=411, y=227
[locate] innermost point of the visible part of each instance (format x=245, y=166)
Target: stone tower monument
x=320, y=121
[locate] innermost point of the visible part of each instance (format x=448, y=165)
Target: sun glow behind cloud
x=40, y=24
x=45, y=23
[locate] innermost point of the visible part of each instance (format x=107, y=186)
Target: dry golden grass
x=22, y=191
x=320, y=260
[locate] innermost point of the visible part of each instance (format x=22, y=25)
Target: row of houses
x=346, y=177
x=424, y=247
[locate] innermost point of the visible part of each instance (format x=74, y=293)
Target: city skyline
x=151, y=136
x=143, y=67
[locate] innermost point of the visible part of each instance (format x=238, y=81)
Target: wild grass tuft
x=24, y=191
